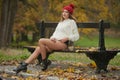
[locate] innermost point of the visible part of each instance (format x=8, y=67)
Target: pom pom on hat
x=71, y=5
x=69, y=8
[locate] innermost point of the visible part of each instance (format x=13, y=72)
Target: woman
x=65, y=31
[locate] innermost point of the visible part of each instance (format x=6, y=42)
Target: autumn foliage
x=47, y=10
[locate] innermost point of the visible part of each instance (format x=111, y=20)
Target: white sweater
x=66, y=28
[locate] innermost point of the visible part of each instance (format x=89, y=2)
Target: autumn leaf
x=93, y=78
x=92, y=64
x=5, y=75
x=92, y=49
x=114, y=68
x=78, y=64
x=70, y=70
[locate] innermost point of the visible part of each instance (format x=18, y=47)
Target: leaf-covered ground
x=59, y=70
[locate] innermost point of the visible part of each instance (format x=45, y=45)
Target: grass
x=115, y=60
x=92, y=41
x=73, y=57
x=79, y=57
x=13, y=54
x=112, y=42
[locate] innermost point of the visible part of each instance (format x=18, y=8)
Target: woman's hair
x=70, y=17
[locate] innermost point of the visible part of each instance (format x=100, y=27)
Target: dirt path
x=60, y=71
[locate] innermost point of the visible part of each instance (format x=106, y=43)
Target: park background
x=18, y=28
x=19, y=18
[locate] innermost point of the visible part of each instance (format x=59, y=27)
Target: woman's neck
x=66, y=18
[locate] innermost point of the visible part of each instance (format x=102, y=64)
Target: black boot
x=21, y=67
x=39, y=58
x=44, y=64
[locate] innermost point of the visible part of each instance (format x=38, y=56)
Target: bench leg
x=101, y=59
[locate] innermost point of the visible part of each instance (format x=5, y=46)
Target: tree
x=8, y=10
x=114, y=9
x=7, y=16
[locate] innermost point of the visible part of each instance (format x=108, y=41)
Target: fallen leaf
x=93, y=77
x=92, y=65
x=70, y=70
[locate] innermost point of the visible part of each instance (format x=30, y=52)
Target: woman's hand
x=53, y=39
x=64, y=39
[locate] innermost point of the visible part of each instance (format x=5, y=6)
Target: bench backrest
x=100, y=25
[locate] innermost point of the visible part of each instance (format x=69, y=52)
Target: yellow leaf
x=29, y=71
x=93, y=78
x=30, y=78
x=80, y=78
x=71, y=77
x=70, y=69
x=92, y=65
x=115, y=68
x=15, y=77
x=61, y=79
x=77, y=51
x=5, y=75
x=92, y=49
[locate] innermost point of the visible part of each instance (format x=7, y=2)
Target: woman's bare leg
x=33, y=56
x=23, y=65
x=53, y=45
x=46, y=45
x=43, y=49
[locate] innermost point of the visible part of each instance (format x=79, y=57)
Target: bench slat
x=92, y=25
x=80, y=25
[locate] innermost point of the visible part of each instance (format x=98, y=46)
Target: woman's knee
x=37, y=48
x=41, y=40
x=37, y=51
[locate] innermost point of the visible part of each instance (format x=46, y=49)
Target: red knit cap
x=69, y=8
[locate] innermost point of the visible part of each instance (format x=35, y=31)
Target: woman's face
x=65, y=14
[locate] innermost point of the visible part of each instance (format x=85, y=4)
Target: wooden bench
x=101, y=56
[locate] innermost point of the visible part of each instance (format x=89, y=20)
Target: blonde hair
x=70, y=17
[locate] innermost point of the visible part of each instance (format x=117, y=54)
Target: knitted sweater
x=66, y=29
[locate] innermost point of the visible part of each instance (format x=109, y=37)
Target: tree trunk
x=24, y=37
x=35, y=36
x=8, y=11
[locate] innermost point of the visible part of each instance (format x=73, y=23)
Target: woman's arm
x=74, y=34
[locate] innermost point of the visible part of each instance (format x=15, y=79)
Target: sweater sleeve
x=74, y=34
